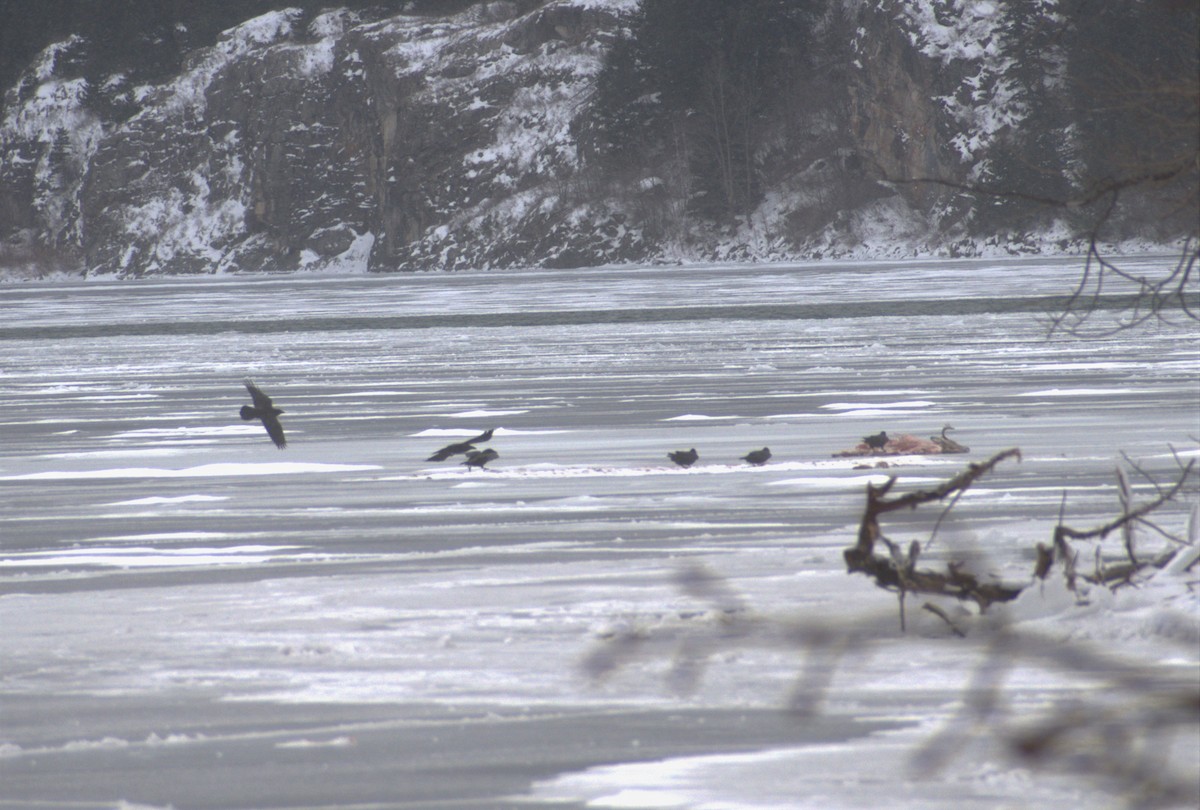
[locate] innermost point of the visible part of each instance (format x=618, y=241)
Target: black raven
x=451, y=450
x=684, y=458
x=267, y=412
x=877, y=441
x=478, y=458
x=757, y=457
x=461, y=447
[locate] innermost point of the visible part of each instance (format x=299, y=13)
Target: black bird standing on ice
x=757, y=457
x=478, y=458
x=877, y=441
x=264, y=410
x=684, y=458
x=461, y=447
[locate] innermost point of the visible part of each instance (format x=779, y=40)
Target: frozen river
x=192, y=618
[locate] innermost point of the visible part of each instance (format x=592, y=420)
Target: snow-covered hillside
x=348, y=141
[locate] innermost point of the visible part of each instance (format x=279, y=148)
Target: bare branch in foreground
x=1117, y=728
x=899, y=573
x=897, y=570
x=1173, y=289
x=1130, y=517
x=1154, y=299
x=1119, y=734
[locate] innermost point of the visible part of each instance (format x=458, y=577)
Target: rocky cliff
x=351, y=140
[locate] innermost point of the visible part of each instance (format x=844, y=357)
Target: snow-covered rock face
x=235, y=164
x=987, y=42
x=47, y=138
x=348, y=142
x=340, y=143
x=475, y=129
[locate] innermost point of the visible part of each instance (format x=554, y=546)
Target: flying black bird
x=478, y=458
x=684, y=458
x=461, y=447
x=877, y=441
x=265, y=411
x=757, y=457
x=451, y=450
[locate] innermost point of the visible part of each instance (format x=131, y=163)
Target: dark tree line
x=700, y=78
x=145, y=38
x=1119, y=109
x=1112, y=147
x=148, y=39
x=1108, y=93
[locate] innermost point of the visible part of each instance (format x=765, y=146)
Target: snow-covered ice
x=192, y=618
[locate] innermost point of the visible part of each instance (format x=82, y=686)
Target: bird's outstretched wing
x=461, y=447
x=274, y=430
x=266, y=411
x=451, y=450
x=262, y=402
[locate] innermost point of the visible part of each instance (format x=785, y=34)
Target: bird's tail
x=249, y=413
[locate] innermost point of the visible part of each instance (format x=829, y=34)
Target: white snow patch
x=879, y=406
x=148, y=557
x=696, y=417
x=202, y=471
x=353, y=260
x=855, y=482
x=141, y=452
x=158, y=500
x=471, y=432
x=335, y=742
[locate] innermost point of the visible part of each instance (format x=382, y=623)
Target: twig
x=1063, y=532
x=941, y=614
x=1128, y=519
